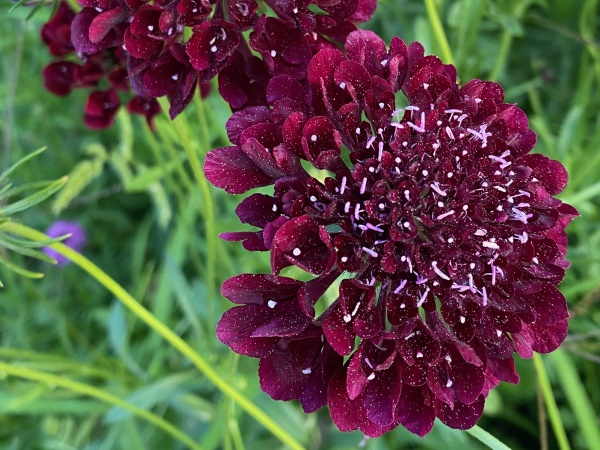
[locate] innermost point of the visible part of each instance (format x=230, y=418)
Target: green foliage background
x=153, y=220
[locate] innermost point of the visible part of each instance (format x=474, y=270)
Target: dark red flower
x=56, y=33
x=101, y=109
x=441, y=221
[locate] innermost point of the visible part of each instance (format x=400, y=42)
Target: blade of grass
x=438, y=30
x=579, y=400
x=549, y=400
x=147, y=317
x=85, y=389
x=486, y=438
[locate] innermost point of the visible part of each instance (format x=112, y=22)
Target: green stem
x=507, y=38
x=553, y=414
x=438, y=30
x=487, y=439
x=86, y=389
x=147, y=317
x=208, y=209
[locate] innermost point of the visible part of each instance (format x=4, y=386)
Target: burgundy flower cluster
x=432, y=223
x=64, y=75
x=144, y=43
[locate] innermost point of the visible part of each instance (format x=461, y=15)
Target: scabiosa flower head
x=435, y=216
x=77, y=239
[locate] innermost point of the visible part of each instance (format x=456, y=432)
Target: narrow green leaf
x=487, y=439
x=36, y=254
x=549, y=400
x=578, y=398
x=151, y=394
x=17, y=269
x=35, y=198
x=20, y=162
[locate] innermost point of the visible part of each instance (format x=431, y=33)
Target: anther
x=374, y=254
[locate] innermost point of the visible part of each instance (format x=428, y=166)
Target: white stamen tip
x=297, y=252
x=271, y=304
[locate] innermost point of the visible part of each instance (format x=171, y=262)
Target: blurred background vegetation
x=148, y=219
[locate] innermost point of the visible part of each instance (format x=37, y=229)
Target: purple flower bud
x=76, y=241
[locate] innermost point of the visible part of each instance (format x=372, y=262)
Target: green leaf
x=486, y=438
x=148, y=396
x=17, y=269
x=20, y=162
x=578, y=398
x=35, y=198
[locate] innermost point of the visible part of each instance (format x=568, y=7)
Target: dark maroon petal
x=347, y=414
x=59, y=77
x=322, y=66
x=143, y=106
x=364, y=10
x=462, y=417
x=243, y=81
x=258, y=210
x=382, y=394
x=101, y=109
x=339, y=334
x=302, y=242
x=251, y=241
x=231, y=169
x=548, y=305
x=56, y=33
x=547, y=338
x=211, y=46
x=142, y=46
x=368, y=49
x=104, y=22
x=236, y=327
x=241, y=120
x=286, y=372
x=288, y=322
x=315, y=393
x=260, y=289
x=551, y=174
x=413, y=412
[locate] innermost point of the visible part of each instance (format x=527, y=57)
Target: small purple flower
x=76, y=241
x=439, y=224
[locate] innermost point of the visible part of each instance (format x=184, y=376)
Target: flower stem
x=553, y=414
x=86, y=389
x=151, y=320
x=438, y=30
